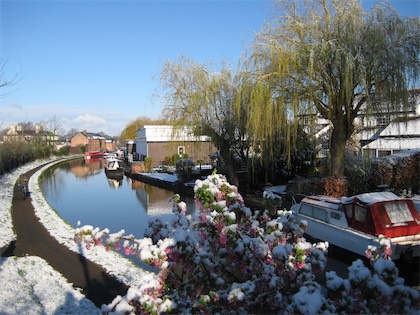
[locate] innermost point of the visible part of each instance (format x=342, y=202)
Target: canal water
x=79, y=190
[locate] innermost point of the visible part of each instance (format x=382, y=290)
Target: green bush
x=148, y=161
x=63, y=151
x=15, y=154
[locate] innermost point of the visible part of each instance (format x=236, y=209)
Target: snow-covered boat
x=355, y=223
x=113, y=168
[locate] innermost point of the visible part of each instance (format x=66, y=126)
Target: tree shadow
x=100, y=290
x=9, y=250
x=75, y=305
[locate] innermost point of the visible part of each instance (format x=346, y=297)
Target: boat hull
x=355, y=241
x=338, y=236
x=115, y=174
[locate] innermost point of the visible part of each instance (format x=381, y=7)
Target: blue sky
x=96, y=64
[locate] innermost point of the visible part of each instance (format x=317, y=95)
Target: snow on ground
x=30, y=286
x=162, y=176
x=29, y=283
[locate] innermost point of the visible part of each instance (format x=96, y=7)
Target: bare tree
x=53, y=125
x=6, y=82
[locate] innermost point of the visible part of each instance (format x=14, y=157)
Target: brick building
x=91, y=142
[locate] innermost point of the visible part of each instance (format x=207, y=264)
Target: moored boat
x=355, y=223
x=113, y=169
x=93, y=154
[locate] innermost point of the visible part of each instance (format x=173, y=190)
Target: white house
x=381, y=131
x=399, y=135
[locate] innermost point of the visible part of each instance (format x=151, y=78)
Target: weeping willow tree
x=213, y=104
x=331, y=57
x=130, y=130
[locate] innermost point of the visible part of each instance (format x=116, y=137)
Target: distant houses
x=88, y=141
x=30, y=133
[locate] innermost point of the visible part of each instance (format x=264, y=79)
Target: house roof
x=409, y=127
x=398, y=135
x=91, y=135
x=394, y=144
x=167, y=133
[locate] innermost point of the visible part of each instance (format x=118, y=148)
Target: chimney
x=84, y=132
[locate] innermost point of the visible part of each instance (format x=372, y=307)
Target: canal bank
x=170, y=182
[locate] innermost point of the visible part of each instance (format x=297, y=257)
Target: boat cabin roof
x=323, y=201
x=372, y=198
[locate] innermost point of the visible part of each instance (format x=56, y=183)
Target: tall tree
x=130, y=131
x=332, y=56
x=213, y=104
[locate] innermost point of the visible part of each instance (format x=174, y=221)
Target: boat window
x=335, y=215
x=349, y=210
x=360, y=213
x=306, y=209
x=320, y=214
x=314, y=212
x=398, y=212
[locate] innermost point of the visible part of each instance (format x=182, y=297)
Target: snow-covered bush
x=399, y=171
x=228, y=259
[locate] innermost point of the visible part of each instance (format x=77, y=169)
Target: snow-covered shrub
x=228, y=259
x=398, y=172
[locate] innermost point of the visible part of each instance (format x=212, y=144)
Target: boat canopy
x=382, y=213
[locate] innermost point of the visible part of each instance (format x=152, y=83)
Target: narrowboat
x=113, y=169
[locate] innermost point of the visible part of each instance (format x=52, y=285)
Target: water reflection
x=88, y=168
x=114, y=183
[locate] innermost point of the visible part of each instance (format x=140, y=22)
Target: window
x=360, y=213
x=181, y=150
x=398, y=212
x=306, y=120
x=335, y=215
x=383, y=120
x=314, y=212
x=349, y=210
x=320, y=214
x=306, y=209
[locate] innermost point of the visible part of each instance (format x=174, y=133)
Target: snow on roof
x=323, y=201
x=367, y=134
x=408, y=127
x=394, y=144
x=373, y=197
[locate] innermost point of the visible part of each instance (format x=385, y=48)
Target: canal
x=79, y=190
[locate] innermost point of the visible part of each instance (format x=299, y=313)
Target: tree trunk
x=337, y=149
x=229, y=168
